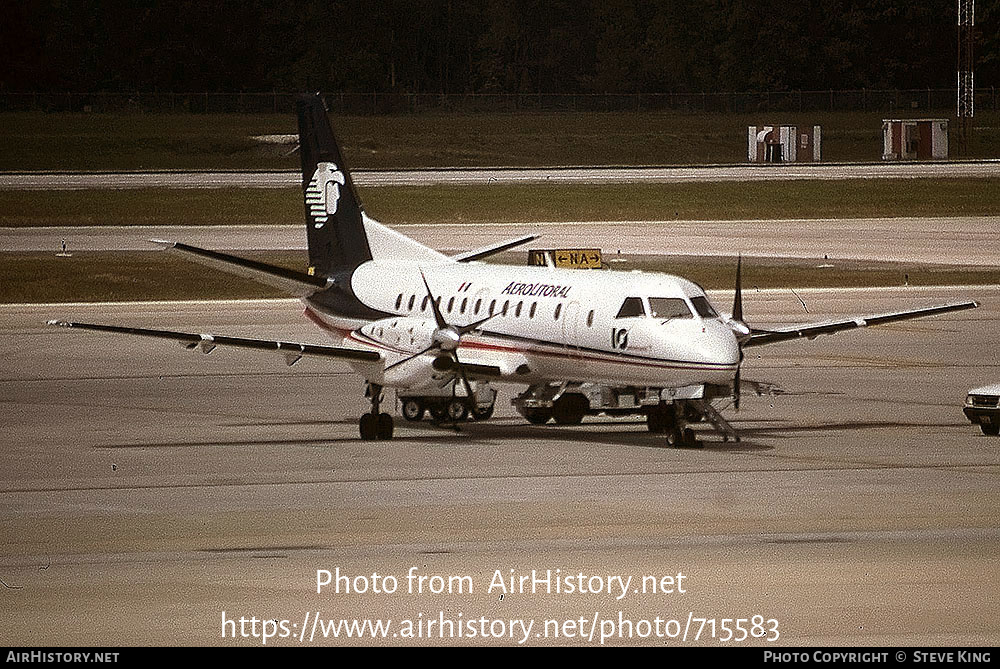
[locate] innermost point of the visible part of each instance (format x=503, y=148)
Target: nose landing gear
x=666, y=419
x=375, y=425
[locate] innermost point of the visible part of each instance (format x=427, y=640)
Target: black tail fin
x=335, y=227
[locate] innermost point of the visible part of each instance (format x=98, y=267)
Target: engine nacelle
x=400, y=340
x=415, y=373
x=402, y=336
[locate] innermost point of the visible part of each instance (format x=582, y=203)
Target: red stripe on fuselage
x=612, y=358
x=485, y=346
x=318, y=320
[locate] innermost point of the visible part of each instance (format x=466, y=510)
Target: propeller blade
x=415, y=355
x=454, y=334
x=465, y=379
x=466, y=329
x=738, y=296
x=741, y=329
x=736, y=383
x=438, y=317
x=736, y=322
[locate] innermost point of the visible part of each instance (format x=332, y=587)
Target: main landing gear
x=664, y=418
x=375, y=425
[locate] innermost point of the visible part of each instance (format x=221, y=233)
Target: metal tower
x=966, y=90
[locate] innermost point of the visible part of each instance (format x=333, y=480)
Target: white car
x=983, y=406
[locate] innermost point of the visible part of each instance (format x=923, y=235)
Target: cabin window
x=479, y=303
x=703, y=307
x=423, y=304
x=631, y=307
x=590, y=318
x=409, y=305
x=668, y=307
x=506, y=303
x=451, y=303
x=465, y=301
x=517, y=312
x=555, y=316
x=493, y=306
x=399, y=300
x=531, y=313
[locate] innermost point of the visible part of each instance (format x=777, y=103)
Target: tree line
x=488, y=46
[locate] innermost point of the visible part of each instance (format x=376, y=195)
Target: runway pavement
x=502, y=175
x=148, y=494
x=963, y=240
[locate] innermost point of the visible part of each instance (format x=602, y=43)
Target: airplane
x=440, y=329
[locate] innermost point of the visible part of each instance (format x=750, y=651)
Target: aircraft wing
x=811, y=331
x=206, y=342
x=492, y=249
x=289, y=281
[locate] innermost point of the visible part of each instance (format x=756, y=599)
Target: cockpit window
x=703, y=307
x=632, y=306
x=668, y=307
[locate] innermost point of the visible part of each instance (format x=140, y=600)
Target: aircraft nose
x=718, y=344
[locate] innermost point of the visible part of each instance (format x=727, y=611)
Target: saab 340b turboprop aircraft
x=441, y=329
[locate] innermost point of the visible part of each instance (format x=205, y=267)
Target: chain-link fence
x=917, y=101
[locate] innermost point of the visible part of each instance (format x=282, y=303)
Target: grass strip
x=34, y=141
x=105, y=276
x=518, y=204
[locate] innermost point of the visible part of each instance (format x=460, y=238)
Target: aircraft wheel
x=690, y=440
x=369, y=426
x=457, y=410
x=675, y=438
x=661, y=418
x=483, y=414
x=570, y=409
x=991, y=430
x=383, y=426
x=413, y=409
x=538, y=416
x=438, y=411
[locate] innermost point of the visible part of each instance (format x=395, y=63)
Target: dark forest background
x=487, y=46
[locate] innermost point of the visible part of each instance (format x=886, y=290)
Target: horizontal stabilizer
x=298, y=284
x=493, y=249
x=762, y=337
x=206, y=342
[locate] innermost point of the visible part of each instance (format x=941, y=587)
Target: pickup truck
x=982, y=406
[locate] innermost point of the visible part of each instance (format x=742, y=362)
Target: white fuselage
x=548, y=324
